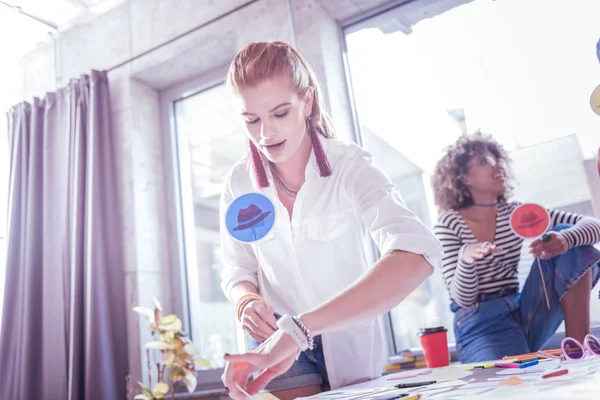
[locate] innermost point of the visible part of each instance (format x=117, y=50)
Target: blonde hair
x=259, y=61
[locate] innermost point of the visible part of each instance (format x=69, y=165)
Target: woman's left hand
x=273, y=357
x=546, y=250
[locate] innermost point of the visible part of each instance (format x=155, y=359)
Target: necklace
x=289, y=192
x=486, y=205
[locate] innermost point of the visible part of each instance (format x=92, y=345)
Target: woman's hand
x=557, y=244
x=476, y=251
x=273, y=357
x=258, y=319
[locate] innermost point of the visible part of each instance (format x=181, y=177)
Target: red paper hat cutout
x=529, y=220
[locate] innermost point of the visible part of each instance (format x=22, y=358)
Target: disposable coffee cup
x=435, y=346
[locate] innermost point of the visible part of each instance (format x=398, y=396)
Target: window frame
x=207, y=379
x=398, y=7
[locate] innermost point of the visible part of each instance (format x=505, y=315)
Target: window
x=4, y=170
x=425, y=72
x=208, y=143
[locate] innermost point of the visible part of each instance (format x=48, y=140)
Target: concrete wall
x=136, y=28
x=551, y=173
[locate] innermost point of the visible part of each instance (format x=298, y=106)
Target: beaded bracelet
x=309, y=338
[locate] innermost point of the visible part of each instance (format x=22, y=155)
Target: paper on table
x=444, y=374
x=521, y=371
x=477, y=385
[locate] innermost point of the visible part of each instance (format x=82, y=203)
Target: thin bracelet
x=309, y=338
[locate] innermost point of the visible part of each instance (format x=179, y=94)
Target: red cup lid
x=428, y=331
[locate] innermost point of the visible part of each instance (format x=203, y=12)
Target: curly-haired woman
x=492, y=318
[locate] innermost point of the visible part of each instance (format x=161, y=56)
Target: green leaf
x=160, y=390
x=202, y=363
x=169, y=319
x=158, y=345
x=190, y=381
x=145, y=312
x=145, y=389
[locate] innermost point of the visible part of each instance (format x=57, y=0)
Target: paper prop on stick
x=250, y=217
x=530, y=221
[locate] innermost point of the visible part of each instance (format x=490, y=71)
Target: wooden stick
x=543, y=282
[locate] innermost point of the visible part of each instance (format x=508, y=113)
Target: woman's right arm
x=460, y=277
x=239, y=280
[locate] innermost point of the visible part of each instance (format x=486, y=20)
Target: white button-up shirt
x=323, y=249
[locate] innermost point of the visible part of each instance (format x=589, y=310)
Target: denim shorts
x=510, y=323
x=308, y=370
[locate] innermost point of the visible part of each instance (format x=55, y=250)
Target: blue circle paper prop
x=250, y=217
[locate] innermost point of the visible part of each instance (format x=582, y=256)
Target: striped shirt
x=500, y=270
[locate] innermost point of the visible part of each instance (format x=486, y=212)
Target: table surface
x=457, y=382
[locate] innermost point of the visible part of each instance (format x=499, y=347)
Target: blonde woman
x=300, y=281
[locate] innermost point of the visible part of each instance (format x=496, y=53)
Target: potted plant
x=176, y=353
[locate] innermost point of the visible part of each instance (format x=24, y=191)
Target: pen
x=556, y=373
x=415, y=384
x=414, y=397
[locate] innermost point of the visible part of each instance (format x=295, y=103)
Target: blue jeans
x=308, y=370
x=510, y=323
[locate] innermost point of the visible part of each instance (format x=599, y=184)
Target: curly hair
x=450, y=191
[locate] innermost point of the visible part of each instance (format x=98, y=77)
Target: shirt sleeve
x=391, y=224
x=585, y=230
x=460, y=278
x=239, y=260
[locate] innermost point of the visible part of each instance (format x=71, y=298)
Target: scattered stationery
x=553, y=352
x=516, y=365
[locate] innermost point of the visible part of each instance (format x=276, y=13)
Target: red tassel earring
x=260, y=175
x=320, y=156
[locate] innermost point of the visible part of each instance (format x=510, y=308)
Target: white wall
x=551, y=173
x=136, y=28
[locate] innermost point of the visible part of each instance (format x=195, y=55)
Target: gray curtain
x=64, y=316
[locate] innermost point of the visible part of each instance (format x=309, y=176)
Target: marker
x=528, y=364
x=556, y=373
x=505, y=365
x=484, y=366
x=414, y=397
x=415, y=384
x=526, y=360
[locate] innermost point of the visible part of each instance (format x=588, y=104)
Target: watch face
x=595, y=100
